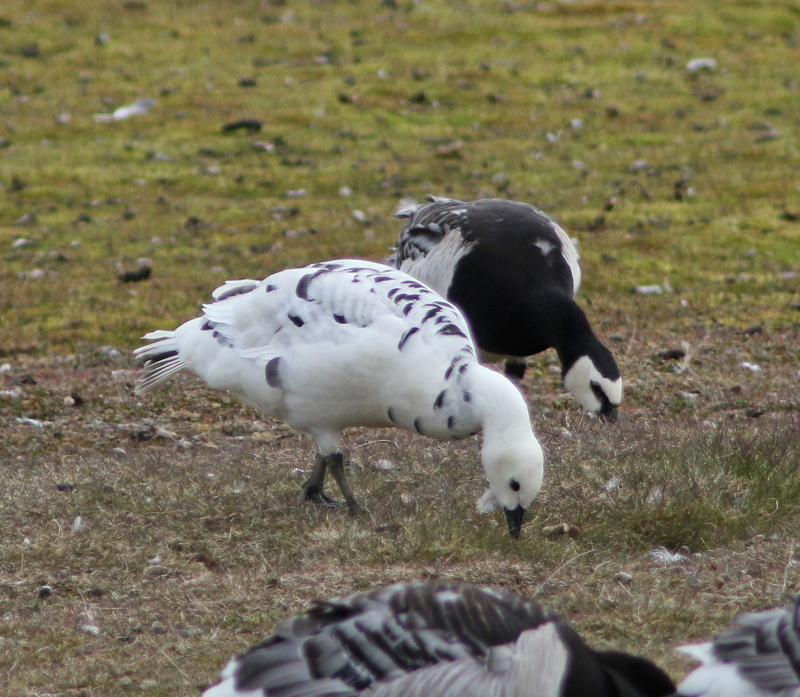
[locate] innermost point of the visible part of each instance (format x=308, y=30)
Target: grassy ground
x=191, y=543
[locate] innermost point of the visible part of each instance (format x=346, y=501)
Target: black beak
x=514, y=518
x=609, y=412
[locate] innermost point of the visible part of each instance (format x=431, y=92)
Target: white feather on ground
x=355, y=343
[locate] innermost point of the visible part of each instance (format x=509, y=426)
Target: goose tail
x=160, y=359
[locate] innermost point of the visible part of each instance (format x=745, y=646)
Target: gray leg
x=336, y=463
x=515, y=368
x=314, y=485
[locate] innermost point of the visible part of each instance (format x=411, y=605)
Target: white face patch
x=582, y=376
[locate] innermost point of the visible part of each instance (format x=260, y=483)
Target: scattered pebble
x=688, y=395
x=623, y=578
x=613, y=484
x=555, y=530
x=360, y=216
x=345, y=191
x=697, y=64
x=44, y=591
x=32, y=422
x=76, y=524
x=649, y=290
x=141, y=106
x=156, y=571
x=385, y=465
x=751, y=366
x=91, y=629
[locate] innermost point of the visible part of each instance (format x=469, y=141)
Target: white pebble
x=751, y=366
x=649, y=290
x=345, y=191
x=697, y=64
x=385, y=465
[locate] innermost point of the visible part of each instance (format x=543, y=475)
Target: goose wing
x=763, y=651
x=328, y=302
x=344, y=647
x=515, y=226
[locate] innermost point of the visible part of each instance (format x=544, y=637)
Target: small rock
x=671, y=354
x=249, y=125
x=649, y=290
x=385, y=465
x=91, y=629
x=616, y=337
x=65, y=486
x=753, y=367
x=141, y=274
x=623, y=578
x=555, y=530
x=44, y=592
x=27, y=219
x=697, y=64
x=158, y=627
x=76, y=524
x=156, y=571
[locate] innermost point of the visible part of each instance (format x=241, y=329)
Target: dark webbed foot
x=319, y=497
x=336, y=463
x=313, y=489
x=515, y=368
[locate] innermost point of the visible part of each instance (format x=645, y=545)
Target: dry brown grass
x=193, y=544
x=478, y=100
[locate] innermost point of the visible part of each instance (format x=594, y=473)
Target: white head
x=596, y=393
x=515, y=470
x=512, y=458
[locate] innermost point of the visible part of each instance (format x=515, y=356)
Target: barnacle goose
x=355, y=343
x=434, y=640
x=514, y=272
x=758, y=658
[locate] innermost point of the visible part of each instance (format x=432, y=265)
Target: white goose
x=759, y=658
x=434, y=640
x=514, y=273
x=355, y=343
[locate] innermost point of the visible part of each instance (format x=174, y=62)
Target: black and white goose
x=355, y=343
x=434, y=640
x=758, y=658
x=514, y=272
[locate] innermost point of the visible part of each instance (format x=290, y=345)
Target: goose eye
x=514, y=484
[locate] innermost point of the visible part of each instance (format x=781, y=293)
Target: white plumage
x=758, y=658
x=434, y=640
x=514, y=273
x=355, y=343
